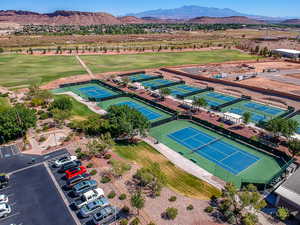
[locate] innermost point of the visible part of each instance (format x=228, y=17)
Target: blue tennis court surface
x=149, y=114
x=228, y=156
x=182, y=89
x=157, y=82
x=96, y=92
x=214, y=98
x=138, y=77
x=263, y=108
x=219, y=96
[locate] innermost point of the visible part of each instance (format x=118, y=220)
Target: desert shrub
x=105, y=180
x=90, y=165
x=111, y=194
x=122, y=196
x=209, y=209
x=93, y=172
x=190, y=207
x=42, y=139
x=125, y=209
x=107, y=156
x=123, y=222
x=172, y=198
x=171, y=213
x=135, y=221
x=282, y=213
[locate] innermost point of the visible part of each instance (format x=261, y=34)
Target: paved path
x=281, y=76
x=85, y=67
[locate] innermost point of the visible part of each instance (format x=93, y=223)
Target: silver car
x=5, y=210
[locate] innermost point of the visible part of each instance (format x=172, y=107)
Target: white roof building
x=290, y=53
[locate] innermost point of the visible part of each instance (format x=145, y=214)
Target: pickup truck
x=88, y=197
x=63, y=160
x=75, y=180
x=75, y=172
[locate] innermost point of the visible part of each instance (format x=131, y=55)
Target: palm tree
x=137, y=201
x=199, y=102
x=294, y=147
x=247, y=117
x=164, y=92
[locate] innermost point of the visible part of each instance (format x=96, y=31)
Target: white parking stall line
x=1, y=154
x=12, y=215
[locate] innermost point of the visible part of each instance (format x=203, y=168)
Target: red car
x=75, y=172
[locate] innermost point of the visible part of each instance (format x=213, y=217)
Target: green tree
x=294, y=147
x=249, y=219
x=199, y=102
x=247, y=117
x=125, y=80
x=1, y=50
x=62, y=103
x=282, y=213
x=60, y=115
x=15, y=121
x=164, y=92
x=126, y=122
x=137, y=201
x=100, y=146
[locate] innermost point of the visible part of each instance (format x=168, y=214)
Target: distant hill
x=225, y=20
x=291, y=21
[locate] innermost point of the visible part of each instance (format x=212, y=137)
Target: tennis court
x=90, y=90
x=225, y=158
x=213, y=98
x=156, y=83
x=230, y=157
x=297, y=118
x=182, y=89
x=259, y=112
x=148, y=111
x=138, y=77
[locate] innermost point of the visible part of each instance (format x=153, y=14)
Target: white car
x=63, y=160
x=3, y=199
x=88, y=197
x=5, y=210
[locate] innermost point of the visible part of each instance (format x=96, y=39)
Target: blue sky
x=120, y=7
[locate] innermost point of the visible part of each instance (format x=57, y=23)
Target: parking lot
x=33, y=196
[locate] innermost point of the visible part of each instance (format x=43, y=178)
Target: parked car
x=73, y=172
x=5, y=210
x=75, y=180
x=3, y=199
x=63, y=160
x=69, y=165
x=93, y=206
x=88, y=197
x=83, y=187
x=106, y=214
x=3, y=181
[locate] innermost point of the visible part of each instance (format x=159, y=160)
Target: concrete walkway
x=85, y=67
x=186, y=164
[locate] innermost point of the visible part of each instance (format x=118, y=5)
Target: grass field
x=18, y=70
x=259, y=172
x=4, y=103
x=177, y=179
x=79, y=111
x=107, y=63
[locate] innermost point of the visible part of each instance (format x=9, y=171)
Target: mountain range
x=186, y=14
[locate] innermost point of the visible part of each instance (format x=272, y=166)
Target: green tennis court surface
x=182, y=89
x=149, y=112
x=297, y=118
x=259, y=112
x=156, y=83
x=223, y=157
x=213, y=98
x=138, y=77
x=87, y=91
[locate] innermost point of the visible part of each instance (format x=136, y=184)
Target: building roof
x=291, y=188
x=291, y=51
x=233, y=115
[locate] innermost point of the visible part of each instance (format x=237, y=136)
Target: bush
x=93, y=172
x=111, y=194
x=107, y=156
x=123, y=222
x=90, y=165
x=171, y=213
x=78, y=150
x=209, y=209
x=122, y=196
x=282, y=213
x=125, y=209
x=105, y=180
x=135, y=221
x=172, y=198
x=44, y=115
x=190, y=207
x=42, y=139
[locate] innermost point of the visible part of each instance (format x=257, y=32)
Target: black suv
x=3, y=181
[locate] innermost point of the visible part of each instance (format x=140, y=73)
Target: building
x=288, y=194
x=289, y=53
